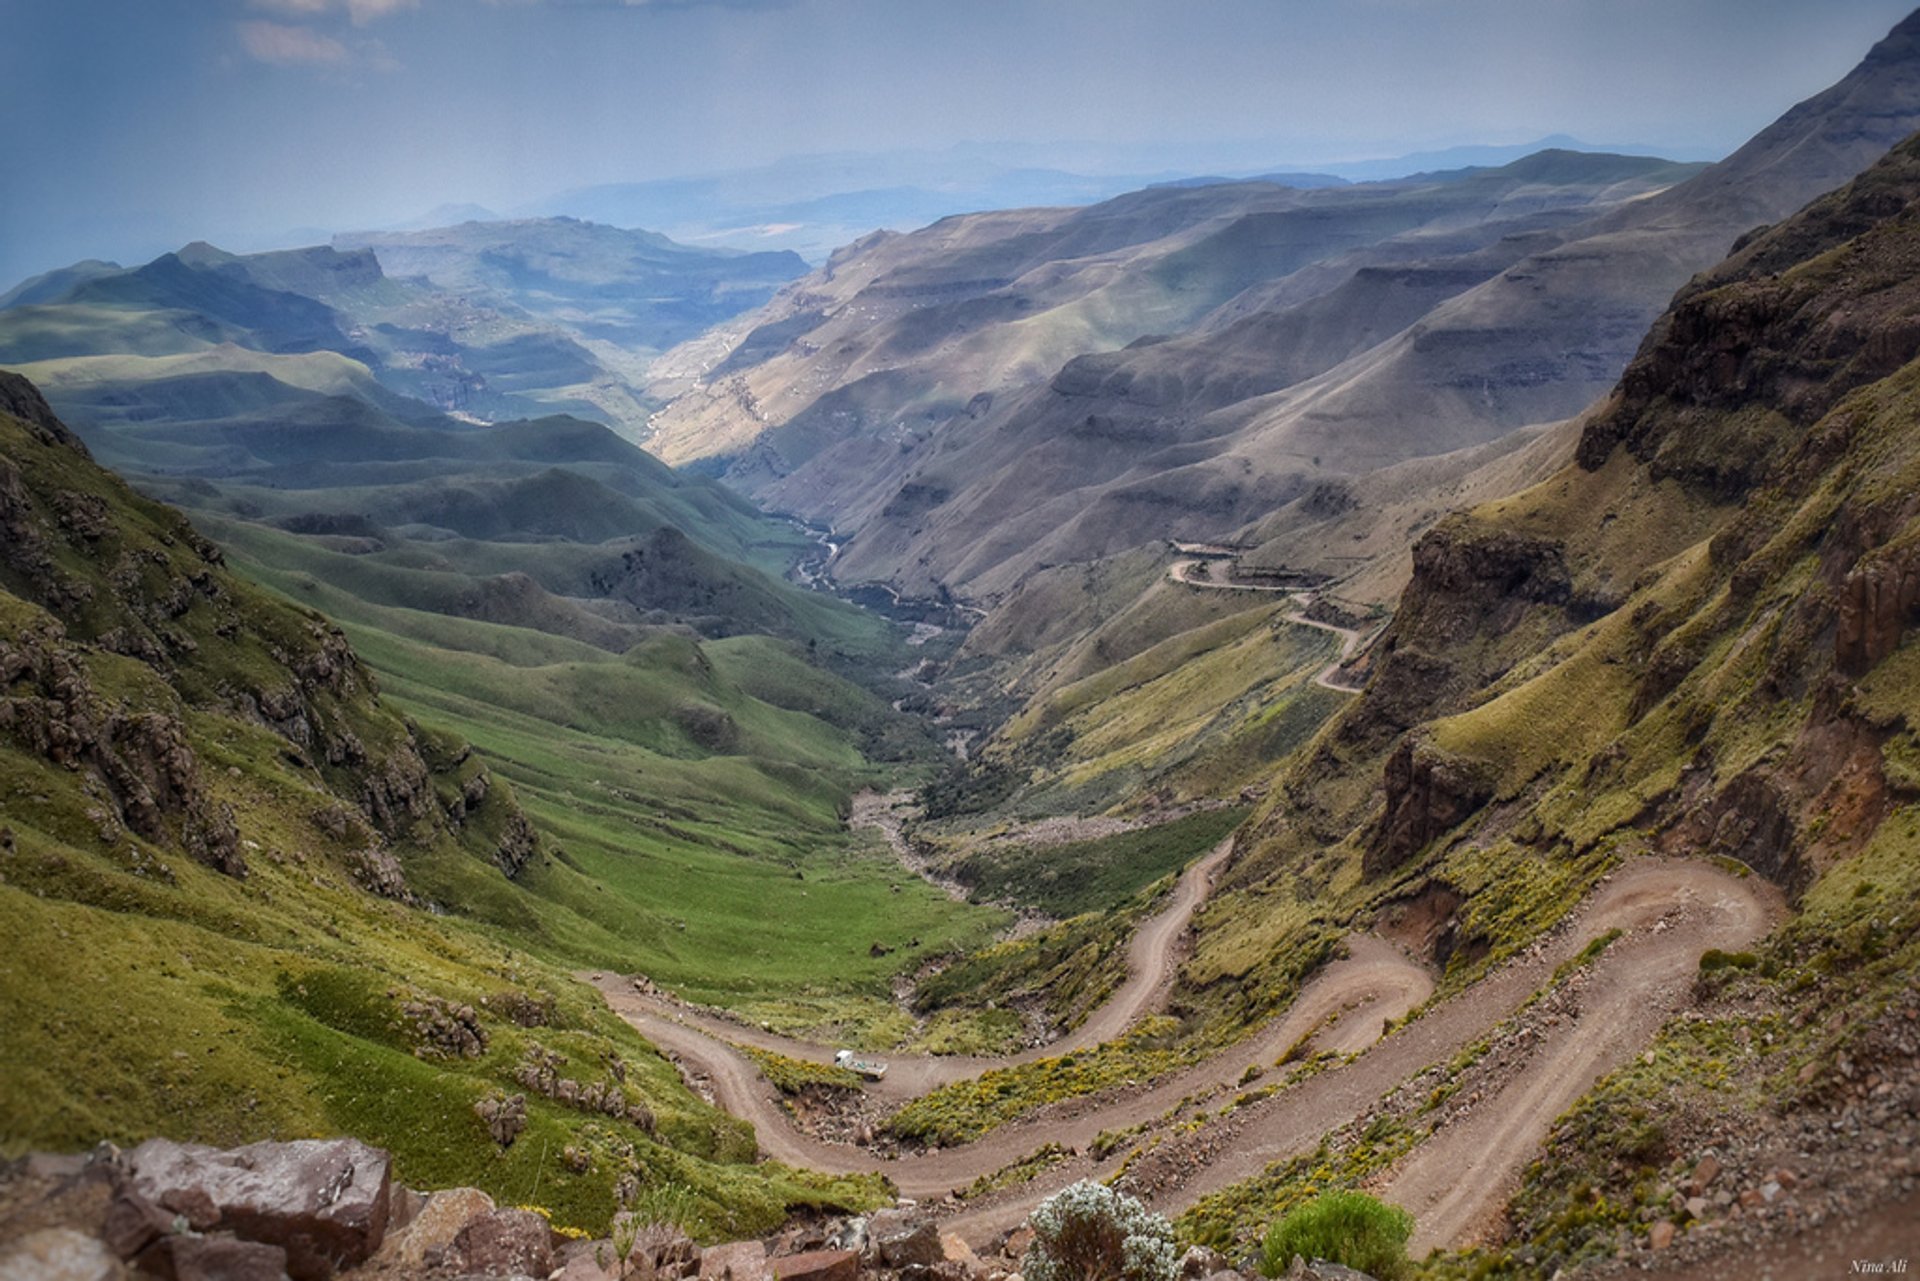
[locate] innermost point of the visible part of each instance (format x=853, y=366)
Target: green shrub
x=1089, y=1232
x=1714, y=959
x=1349, y=1228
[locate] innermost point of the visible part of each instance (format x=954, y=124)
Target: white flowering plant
x=1089, y=1232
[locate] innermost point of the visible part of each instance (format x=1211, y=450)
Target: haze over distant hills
x=957, y=399
x=487, y=320
x=815, y=204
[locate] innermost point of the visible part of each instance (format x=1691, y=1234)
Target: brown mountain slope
x=1701, y=638
x=898, y=333
x=1439, y=355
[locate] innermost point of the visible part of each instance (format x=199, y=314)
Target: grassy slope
x=1713, y=708
x=209, y=1008
x=1095, y=875
x=673, y=851
x=143, y=992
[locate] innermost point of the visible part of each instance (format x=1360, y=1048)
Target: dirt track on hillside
x=1455, y=1183
x=1183, y=572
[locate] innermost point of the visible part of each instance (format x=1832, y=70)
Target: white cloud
x=365, y=11
x=287, y=46
x=360, y=11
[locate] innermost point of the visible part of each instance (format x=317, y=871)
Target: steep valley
x=1237, y=693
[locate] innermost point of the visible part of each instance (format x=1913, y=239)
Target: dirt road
x=1376, y=982
x=1189, y=573
x=1153, y=954
x=1670, y=911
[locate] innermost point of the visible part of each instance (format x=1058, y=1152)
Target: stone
x=955, y=1250
x=664, y=1251
x=1704, y=1173
x=902, y=1238
x=227, y=1259
x=59, y=1254
x=851, y=1236
x=404, y=1204
x=1697, y=1207
x=582, y=1265
x=503, y=1243
x=735, y=1261
x=1019, y=1241
x=192, y=1204
x=1662, y=1234
x=438, y=1222
x=1200, y=1262
x=133, y=1223
x=818, y=1265
x=505, y=1116
x=325, y=1201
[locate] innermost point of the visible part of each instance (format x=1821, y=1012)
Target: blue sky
x=134, y=125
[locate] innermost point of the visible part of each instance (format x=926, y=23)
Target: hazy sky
x=133, y=125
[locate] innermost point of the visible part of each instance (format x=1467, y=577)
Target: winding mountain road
x=1188, y=573
x=1456, y=1182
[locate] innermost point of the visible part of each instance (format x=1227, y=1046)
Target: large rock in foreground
x=325, y=1202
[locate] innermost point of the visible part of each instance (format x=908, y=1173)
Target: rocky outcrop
x=1429, y=792
x=1778, y=334
x=50, y=705
x=518, y=844
x=325, y=1202
x=1879, y=602
x=102, y=572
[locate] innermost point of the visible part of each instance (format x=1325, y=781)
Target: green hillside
x=298, y=902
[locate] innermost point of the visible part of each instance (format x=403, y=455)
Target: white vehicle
x=868, y=1068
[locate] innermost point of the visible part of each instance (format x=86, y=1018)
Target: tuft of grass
x=1348, y=1228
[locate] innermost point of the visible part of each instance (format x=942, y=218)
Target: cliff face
x=121, y=624
x=1698, y=638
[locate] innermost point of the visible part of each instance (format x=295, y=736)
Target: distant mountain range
x=815, y=204
x=485, y=320
x=1004, y=391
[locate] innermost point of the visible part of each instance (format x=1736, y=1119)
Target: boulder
x=582, y=1265
x=1199, y=1262
x=818, y=1265
x=133, y=1223
x=433, y=1228
x=502, y=1243
x=59, y=1254
x=735, y=1261
x=851, y=1236
x=954, y=1250
x=902, y=1238
x=324, y=1201
x=225, y=1258
x=1317, y=1270
x=1662, y=1234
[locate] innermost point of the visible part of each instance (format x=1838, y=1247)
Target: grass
x=964, y=1110
x=1095, y=875
x=210, y=1008
x=1348, y=1228
x=797, y=1076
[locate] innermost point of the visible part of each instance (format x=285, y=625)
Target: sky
x=133, y=126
